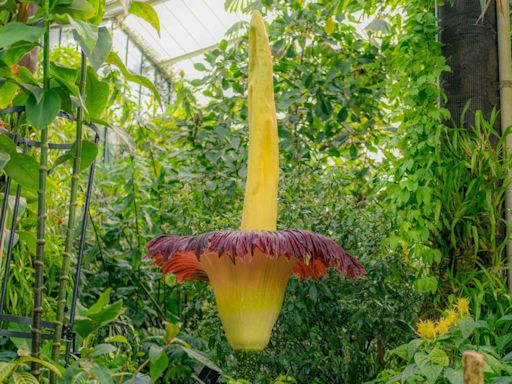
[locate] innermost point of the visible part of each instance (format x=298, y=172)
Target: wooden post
x=473, y=363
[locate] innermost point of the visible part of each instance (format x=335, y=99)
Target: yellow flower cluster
x=429, y=329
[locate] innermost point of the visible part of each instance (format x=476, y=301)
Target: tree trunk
x=470, y=48
x=468, y=35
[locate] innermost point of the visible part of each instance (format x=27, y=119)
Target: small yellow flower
x=462, y=306
x=443, y=325
x=426, y=329
x=451, y=317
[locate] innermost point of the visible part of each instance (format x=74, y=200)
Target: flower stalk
x=73, y=204
x=41, y=206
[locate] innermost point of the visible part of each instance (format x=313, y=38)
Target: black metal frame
x=67, y=332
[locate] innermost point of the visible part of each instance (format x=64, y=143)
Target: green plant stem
x=41, y=207
x=68, y=244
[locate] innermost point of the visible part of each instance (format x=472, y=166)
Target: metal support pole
x=3, y=220
x=80, y=257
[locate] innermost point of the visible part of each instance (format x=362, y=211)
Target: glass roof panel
x=187, y=27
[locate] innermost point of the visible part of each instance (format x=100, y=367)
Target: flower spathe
x=249, y=269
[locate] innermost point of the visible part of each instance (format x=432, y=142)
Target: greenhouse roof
x=188, y=28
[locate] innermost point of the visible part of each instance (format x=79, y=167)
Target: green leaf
x=116, y=339
x=4, y=159
x=86, y=34
x=8, y=92
x=323, y=107
x=23, y=169
x=201, y=358
x=412, y=347
x=454, y=376
x=108, y=313
x=28, y=238
x=101, y=374
x=409, y=371
x=158, y=362
x=467, y=326
x=5, y=370
x=342, y=115
x=66, y=77
x=438, y=356
x=97, y=93
x=101, y=49
x=103, y=349
x=24, y=378
x=16, y=52
x=14, y=32
x=84, y=326
x=379, y=25
x=171, y=331
x=43, y=113
x=504, y=319
x=101, y=303
x=428, y=369
x=400, y=351
x=146, y=12
x=7, y=145
x=51, y=367
x=77, y=9
x=89, y=153
x=114, y=59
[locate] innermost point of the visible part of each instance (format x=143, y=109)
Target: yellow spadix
x=260, y=204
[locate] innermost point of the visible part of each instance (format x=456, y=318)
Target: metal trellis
x=67, y=333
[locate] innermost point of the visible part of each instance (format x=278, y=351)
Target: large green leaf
x=8, y=92
x=24, y=378
x=43, y=113
x=438, y=356
x=101, y=49
x=428, y=369
x=24, y=169
x=5, y=370
x=84, y=326
x=101, y=374
x=201, y=358
x=454, y=376
x=78, y=9
x=146, y=12
x=86, y=34
x=7, y=145
x=108, y=313
x=89, y=153
x=467, y=326
x=101, y=303
x=97, y=93
x=17, y=51
x=114, y=59
x=14, y=32
x=67, y=77
x=29, y=239
x=158, y=362
x=103, y=349
x=4, y=159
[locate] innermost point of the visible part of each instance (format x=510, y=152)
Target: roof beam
x=146, y=51
x=190, y=55
x=115, y=9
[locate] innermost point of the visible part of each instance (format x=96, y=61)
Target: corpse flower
x=249, y=269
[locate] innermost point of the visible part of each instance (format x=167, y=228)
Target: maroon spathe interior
x=315, y=253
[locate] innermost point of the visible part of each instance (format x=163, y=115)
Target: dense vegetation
x=367, y=158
